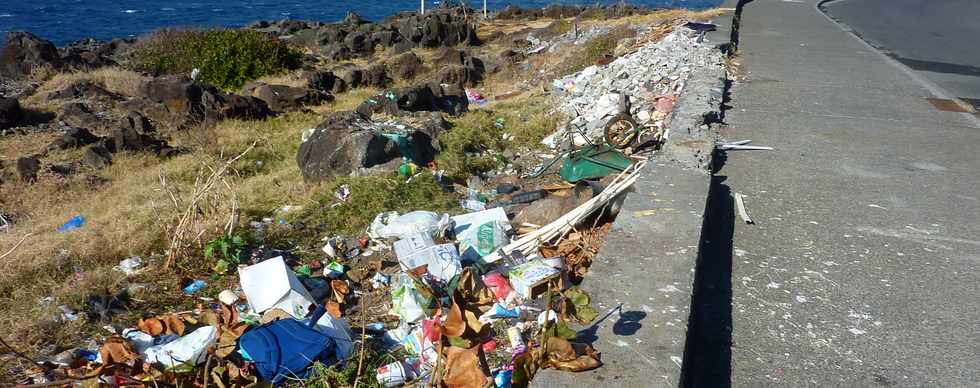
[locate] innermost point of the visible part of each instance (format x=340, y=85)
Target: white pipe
x=530, y=242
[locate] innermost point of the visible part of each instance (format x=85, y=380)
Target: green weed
x=472, y=146
x=370, y=196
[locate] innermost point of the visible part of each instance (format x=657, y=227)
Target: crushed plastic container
x=195, y=286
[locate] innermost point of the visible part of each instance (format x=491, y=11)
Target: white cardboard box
x=272, y=284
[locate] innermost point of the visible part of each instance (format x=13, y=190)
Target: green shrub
x=226, y=58
x=472, y=146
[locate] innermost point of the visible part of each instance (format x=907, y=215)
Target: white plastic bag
x=391, y=225
x=480, y=234
x=190, y=349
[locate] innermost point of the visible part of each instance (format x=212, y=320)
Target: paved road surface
x=862, y=267
x=938, y=38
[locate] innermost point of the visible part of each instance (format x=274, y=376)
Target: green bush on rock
x=225, y=58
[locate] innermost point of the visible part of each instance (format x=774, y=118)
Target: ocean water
x=64, y=21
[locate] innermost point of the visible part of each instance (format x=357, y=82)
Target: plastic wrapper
x=408, y=302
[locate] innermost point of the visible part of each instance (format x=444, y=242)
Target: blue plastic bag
x=75, y=222
x=195, y=286
x=286, y=348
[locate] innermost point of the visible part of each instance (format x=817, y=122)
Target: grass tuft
x=370, y=196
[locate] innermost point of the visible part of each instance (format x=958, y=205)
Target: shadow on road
x=708, y=353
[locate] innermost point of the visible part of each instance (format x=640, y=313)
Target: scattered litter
x=474, y=97
x=342, y=193
x=528, y=196
x=68, y=314
x=461, y=280
x=741, y=209
x=472, y=205
x=283, y=349
x=393, y=226
x=395, y=374
x=593, y=162
x=129, y=266
x=441, y=261
x=409, y=302
x=380, y=280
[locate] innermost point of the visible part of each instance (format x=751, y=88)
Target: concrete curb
x=642, y=279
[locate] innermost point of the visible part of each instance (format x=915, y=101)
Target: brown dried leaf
x=174, y=324
x=117, y=350
x=340, y=290
x=273, y=315
x=229, y=315
x=152, y=326
x=455, y=326
x=463, y=368
x=227, y=343
x=473, y=321
x=419, y=271
x=473, y=289
x=563, y=355
x=333, y=308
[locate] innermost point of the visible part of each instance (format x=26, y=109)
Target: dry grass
x=670, y=14
x=123, y=82
x=128, y=216
x=294, y=79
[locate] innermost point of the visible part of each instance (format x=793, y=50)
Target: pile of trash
x=478, y=298
x=643, y=84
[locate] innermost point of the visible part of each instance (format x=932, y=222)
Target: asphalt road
x=938, y=38
x=861, y=269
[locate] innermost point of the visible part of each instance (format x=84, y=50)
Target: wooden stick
x=360, y=361
x=16, y=245
x=199, y=194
